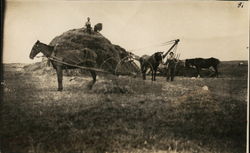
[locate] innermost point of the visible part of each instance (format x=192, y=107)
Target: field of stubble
x=125, y=115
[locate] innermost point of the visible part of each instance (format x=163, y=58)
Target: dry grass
x=122, y=114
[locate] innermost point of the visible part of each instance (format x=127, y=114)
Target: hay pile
x=108, y=54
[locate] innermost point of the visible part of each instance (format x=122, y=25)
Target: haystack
x=109, y=56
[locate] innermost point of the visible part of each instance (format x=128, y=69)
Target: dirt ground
x=123, y=114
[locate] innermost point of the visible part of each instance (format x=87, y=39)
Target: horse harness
x=53, y=57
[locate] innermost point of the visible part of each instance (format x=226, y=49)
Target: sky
x=205, y=28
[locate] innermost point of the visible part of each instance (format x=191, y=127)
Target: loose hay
x=108, y=54
x=109, y=86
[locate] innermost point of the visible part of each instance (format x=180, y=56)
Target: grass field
x=123, y=114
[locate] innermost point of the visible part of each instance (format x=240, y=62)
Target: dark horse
x=151, y=62
x=200, y=63
x=84, y=57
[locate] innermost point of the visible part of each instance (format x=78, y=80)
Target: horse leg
x=144, y=76
x=143, y=70
x=93, y=74
x=216, y=71
x=198, y=72
x=155, y=74
x=59, y=78
x=152, y=74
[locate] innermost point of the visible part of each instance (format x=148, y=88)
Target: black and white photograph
x=126, y=76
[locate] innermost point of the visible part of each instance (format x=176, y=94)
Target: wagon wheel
x=119, y=63
x=123, y=62
x=106, y=65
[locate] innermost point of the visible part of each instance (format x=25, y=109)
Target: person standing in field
x=171, y=64
x=88, y=26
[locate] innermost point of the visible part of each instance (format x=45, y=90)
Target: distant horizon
x=205, y=29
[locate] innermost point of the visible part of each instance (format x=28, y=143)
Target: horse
x=65, y=59
x=151, y=62
x=200, y=63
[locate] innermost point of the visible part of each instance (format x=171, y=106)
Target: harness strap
x=57, y=58
x=81, y=67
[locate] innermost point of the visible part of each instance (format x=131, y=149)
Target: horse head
x=158, y=57
x=35, y=49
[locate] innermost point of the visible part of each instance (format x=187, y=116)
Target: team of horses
x=71, y=59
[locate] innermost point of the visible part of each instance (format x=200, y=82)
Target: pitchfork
x=177, y=57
